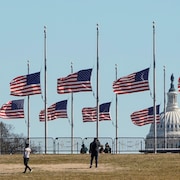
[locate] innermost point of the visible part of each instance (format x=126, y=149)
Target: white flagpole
x=154, y=90
x=164, y=107
x=72, y=119
x=97, y=86
x=116, y=114
x=45, y=98
x=28, y=132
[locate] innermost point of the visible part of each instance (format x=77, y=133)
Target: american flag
x=89, y=113
x=134, y=82
x=76, y=82
x=26, y=85
x=145, y=116
x=12, y=109
x=57, y=110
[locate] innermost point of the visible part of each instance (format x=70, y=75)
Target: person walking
x=27, y=151
x=94, y=151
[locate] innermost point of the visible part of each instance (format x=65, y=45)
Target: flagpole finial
x=45, y=29
x=97, y=25
x=153, y=24
x=71, y=67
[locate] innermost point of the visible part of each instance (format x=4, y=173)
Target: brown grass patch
x=121, y=166
x=76, y=167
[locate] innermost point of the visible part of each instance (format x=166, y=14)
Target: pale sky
x=125, y=39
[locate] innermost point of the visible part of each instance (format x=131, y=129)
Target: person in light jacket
x=27, y=151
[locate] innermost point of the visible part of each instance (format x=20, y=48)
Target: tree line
x=10, y=142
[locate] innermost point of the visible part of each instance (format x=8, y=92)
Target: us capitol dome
x=168, y=130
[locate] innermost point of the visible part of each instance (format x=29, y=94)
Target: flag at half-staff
x=76, y=82
x=90, y=115
x=26, y=85
x=135, y=82
x=56, y=110
x=12, y=109
x=145, y=116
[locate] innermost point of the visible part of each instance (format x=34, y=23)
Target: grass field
x=111, y=166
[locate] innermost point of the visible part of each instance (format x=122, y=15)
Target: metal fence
x=69, y=145
x=65, y=145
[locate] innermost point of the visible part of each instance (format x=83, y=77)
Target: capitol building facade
x=168, y=130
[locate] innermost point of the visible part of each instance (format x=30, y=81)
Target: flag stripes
x=145, y=116
x=90, y=113
x=12, y=109
x=57, y=110
x=26, y=85
x=135, y=82
x=76, y=82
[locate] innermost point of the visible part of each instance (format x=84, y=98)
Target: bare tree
x=10, y=142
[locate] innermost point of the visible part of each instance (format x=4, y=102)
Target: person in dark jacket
x=94, y=151
x=84, y=149
x=107, y=148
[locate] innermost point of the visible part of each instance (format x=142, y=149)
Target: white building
x=168, y=130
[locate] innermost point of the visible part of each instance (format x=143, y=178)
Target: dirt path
x=11, y=168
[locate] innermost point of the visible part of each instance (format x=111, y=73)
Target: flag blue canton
x=33, y=78
x=142, y=75
x=104, y=107
x=84, y=75
x=61, y=105
x=151, y=110
x=17, y=104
